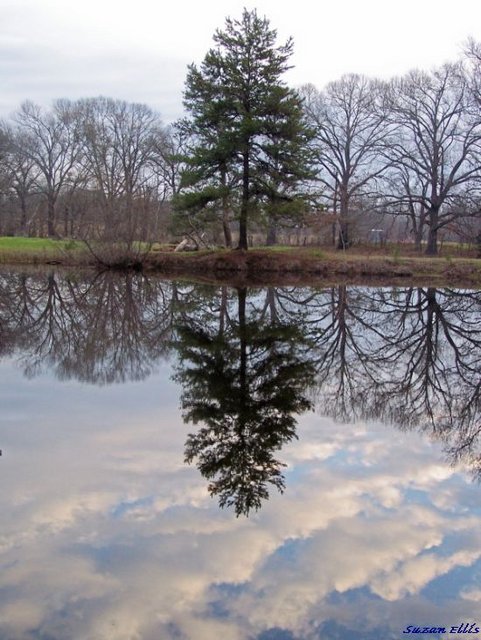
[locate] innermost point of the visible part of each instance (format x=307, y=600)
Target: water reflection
x=100, y=329
x=250, y=361
x=407, y=357
x=107, y=534
x=243, y=379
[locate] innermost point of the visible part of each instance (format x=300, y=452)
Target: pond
x=187, y=461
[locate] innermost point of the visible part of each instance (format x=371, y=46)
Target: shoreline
x=284, y=267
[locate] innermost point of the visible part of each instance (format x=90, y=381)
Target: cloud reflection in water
x=106, y=533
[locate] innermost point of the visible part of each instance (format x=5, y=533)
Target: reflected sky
x=107, y=533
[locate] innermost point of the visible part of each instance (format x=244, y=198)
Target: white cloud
x=417, y=572
x=473, y=595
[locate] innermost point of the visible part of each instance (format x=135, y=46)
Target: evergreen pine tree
x=249, y=140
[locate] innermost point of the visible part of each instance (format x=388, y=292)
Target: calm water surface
x=196, y=462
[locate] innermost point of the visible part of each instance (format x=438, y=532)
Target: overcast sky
x=138, y=50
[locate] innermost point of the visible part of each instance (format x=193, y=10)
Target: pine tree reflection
x=243, y=380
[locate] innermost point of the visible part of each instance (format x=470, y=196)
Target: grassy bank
x=42, y=251
x=278, y=264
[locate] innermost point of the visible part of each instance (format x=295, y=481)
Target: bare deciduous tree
x=120, y=152
x=351, y=128
x=436, y=147
x=50, y=142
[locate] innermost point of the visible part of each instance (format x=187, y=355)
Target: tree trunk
x=244, y=204
x=243, y=228
x=344, y=241
x=51, y=217
x=417, y=231
x=271, y=239
x=417, y=217
x=244, y=391
x=129, y=240
x=23, y=215
x=271, y=300
x=66, y=217
x=223, y=311
x=226, y=229
x=432, y=242
x=225, y=213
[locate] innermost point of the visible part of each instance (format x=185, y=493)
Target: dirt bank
x=303, y=267
x=282, y=266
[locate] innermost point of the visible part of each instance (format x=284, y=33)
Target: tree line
x=252, y=154
x=85, y=168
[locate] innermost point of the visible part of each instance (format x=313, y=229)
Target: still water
x=196, y=462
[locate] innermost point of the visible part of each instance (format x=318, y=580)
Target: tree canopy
x=248, y=135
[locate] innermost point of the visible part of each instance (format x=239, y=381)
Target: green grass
x=38, y=244
x=37, y=250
